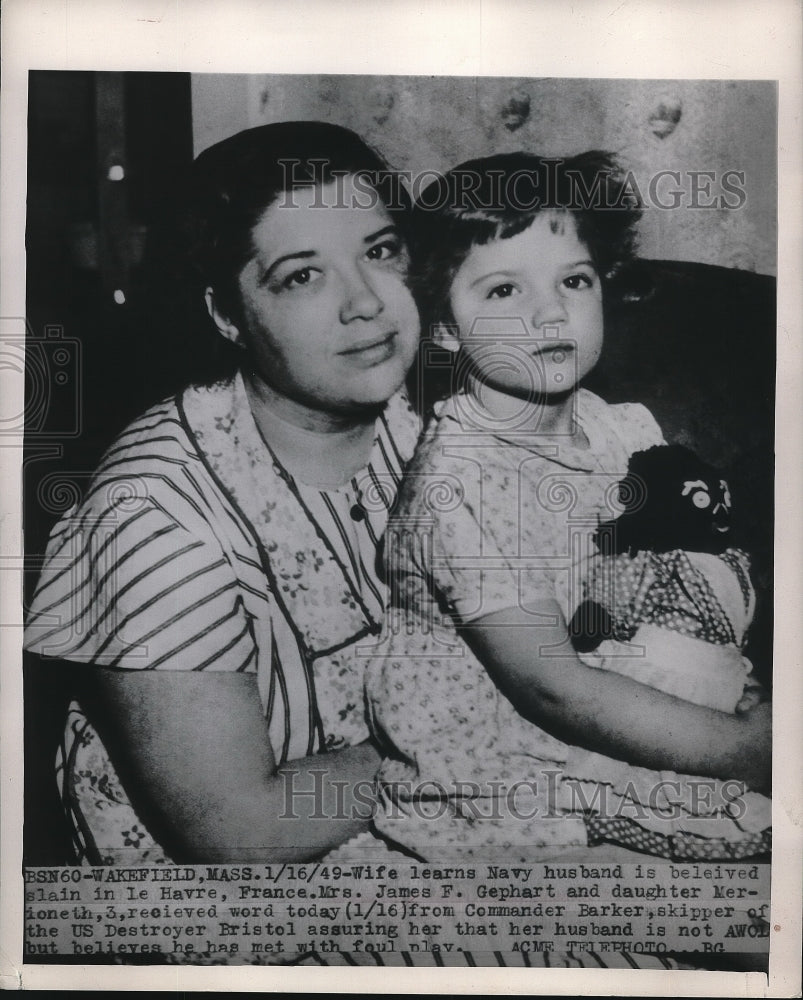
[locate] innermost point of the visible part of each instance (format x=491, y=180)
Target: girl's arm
x=193, y=749
x=536, y=667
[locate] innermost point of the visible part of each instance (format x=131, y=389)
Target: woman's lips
x=373, y=351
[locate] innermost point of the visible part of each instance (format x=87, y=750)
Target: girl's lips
x=549, y=350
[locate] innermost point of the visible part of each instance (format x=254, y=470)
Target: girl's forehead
x=551, y=237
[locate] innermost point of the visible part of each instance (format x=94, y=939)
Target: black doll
x=667, y=589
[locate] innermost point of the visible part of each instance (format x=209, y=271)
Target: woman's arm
x=193, y=749
x=537, y=669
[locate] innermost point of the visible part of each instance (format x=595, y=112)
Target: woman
x=211, y=593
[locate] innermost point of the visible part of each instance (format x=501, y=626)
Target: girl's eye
x=304, y=276
x=501, y=291
x=701, y=499
x=387, y=250
x=578, y=281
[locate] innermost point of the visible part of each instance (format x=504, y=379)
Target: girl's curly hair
x=496, y=197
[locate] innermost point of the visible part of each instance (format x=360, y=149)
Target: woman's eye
x=701, y=499
x=304, y=276
x=501, y=291
x=387, y=250
x=577, y=281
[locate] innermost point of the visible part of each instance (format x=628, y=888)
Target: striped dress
x=193, y=549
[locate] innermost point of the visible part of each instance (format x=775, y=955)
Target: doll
x=668, y=598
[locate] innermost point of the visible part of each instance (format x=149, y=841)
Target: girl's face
x=329, y=320
x=529, y=309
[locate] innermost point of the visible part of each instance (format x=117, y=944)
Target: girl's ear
x=224, y=325
x=447, y=337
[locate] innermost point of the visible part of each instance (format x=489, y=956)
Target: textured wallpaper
x=702, y=153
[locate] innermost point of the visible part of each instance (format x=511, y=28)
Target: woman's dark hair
x=236, y=180
x=497, y=197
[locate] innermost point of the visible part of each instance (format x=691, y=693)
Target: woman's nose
x=360, y=300
x=549, y=309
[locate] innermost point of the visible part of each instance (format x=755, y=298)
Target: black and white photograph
x=402, y=537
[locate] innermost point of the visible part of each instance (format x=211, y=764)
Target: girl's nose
x=360, y=300
x=549, y=309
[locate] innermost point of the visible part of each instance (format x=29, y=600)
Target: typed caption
x=283, y=911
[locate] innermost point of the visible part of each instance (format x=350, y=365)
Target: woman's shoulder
x=157, y=434
x=165, y=435
x=144, y=545
x=154, y=461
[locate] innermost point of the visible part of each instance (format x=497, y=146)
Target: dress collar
x=304, y=572
x=477, y=423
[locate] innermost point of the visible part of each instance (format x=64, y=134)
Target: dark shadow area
x=109, y=332
x=698, y=349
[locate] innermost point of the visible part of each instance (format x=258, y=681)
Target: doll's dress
x=679, y=622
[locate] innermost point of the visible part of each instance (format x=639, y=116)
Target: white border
x=724, y=39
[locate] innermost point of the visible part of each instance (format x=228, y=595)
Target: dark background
x=92, y=362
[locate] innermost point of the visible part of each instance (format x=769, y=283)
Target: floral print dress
x=195, y=550
x=492, y=518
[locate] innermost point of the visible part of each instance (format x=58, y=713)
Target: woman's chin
x=376, y=386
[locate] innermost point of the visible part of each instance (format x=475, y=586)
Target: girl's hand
x=757, y=761
x=531, y=659
x=753, y=694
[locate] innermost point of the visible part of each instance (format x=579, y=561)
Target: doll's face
x=708, y=500
x=672, y=500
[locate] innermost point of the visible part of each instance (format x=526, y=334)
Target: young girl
x=500, y=740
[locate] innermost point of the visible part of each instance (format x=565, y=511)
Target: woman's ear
x=447, y=337
x=224, y=325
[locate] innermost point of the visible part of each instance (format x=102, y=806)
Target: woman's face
x=329, y=320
